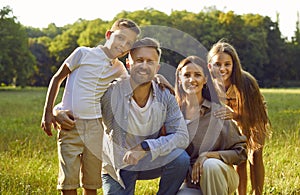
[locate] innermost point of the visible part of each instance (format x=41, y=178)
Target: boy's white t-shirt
x=91, y=75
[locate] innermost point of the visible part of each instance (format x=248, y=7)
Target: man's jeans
x=172, y=176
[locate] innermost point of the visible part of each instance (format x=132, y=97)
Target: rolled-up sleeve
x=236, y=144
x=176, y=131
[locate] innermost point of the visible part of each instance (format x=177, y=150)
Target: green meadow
x=28, y=157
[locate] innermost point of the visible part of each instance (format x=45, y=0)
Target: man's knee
x=110, y=186
x=182, y=161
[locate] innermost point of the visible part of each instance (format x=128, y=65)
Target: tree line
x=30, y=56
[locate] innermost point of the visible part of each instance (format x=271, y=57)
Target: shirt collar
x=128, y=91
x=106, y=58
x=205, y=107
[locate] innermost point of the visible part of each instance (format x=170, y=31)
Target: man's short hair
x=147, y=42
x=126, y=23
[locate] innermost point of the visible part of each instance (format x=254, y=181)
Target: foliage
x=45, y=64
x=16, y=61
x=94, y=33
x=63, y=44
x=271, y=58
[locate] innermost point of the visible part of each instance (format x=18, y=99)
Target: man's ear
x=127, y=64
x=209, y=66
x=108, y=34
x=158, y=67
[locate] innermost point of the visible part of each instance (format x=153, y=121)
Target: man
x=134, y=110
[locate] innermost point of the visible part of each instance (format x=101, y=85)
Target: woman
x=215, y=144
x=239, y=90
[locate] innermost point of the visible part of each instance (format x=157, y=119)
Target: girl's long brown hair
x=251, y=106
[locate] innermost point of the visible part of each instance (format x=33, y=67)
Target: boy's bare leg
x=89, y=192
x=69, y=192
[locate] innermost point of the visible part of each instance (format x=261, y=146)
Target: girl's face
x=221, y=66
x=192, y=78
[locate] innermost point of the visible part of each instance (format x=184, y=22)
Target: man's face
x=144, y=64
x=119, y=42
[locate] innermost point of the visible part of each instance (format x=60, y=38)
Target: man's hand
x=65, y=119
x=133, y=156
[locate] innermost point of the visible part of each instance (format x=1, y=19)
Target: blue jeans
x=172, y=175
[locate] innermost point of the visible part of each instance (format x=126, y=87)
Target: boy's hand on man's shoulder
x=163, y=83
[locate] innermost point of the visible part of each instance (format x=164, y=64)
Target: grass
x=28, y=157
x=281, y=154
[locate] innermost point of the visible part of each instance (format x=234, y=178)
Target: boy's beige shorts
x=79, y=154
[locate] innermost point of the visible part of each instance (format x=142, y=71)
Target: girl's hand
x=225, y=113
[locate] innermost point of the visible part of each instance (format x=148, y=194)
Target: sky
x=40, y=13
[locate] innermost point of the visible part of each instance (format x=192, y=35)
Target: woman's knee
x=212, y=165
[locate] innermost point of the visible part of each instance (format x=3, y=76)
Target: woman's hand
x=198, y=168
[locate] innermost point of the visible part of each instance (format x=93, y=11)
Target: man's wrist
x=145, y=146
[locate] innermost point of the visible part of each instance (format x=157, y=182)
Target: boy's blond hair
x=126, y=23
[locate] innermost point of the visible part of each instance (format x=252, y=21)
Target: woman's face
x=221, y=66
x=192, y=78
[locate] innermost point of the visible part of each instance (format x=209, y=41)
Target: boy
x=89, y=72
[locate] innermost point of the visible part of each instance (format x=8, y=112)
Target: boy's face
x=144, y=64
x=119, y=42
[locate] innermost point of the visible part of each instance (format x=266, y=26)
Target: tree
x=253, y=44
x=94, y=33
x=276, y=69
x=63, y=44
x=16, y=60
x=45, y=64
x=262, y=50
